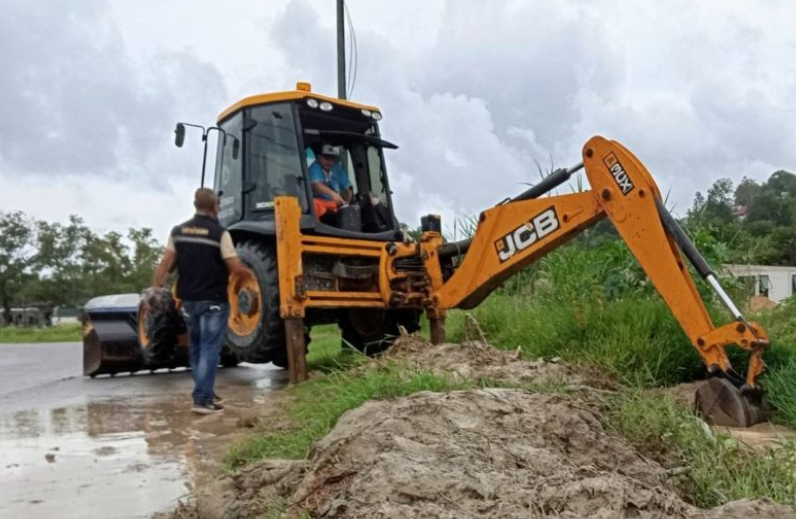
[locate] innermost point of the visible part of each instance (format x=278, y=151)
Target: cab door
x=229, y=172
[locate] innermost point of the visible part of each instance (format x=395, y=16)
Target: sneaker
x=217, y=399
x=207, y=408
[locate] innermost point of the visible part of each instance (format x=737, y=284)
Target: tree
x=16, y=250
x=61, y=258
x=782, y=183
x=146, y=253
x=746, y=192
x=105, y=265
x=718, y=206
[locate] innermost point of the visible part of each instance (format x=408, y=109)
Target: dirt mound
x=475, y=360
x=499, y=453
x=759, y=303
x=482, y=453
x=684, y=393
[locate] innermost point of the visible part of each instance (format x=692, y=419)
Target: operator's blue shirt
x=337, y=179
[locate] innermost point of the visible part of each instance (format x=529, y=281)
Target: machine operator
x=330, y=185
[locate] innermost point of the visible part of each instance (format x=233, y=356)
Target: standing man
x=330, y=185
x=204, y=256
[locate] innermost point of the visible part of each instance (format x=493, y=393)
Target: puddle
x=64, y=463
x=125, y=454
x=761, y=436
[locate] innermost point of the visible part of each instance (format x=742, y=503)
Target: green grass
x=780, y=386
x=62, y=333
x=779, y=381
x=635, y=340
x=712, y=468
x=325, y=352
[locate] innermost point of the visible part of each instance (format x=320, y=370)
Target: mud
x=684, y=394
x=475, y=360
x=494, y=453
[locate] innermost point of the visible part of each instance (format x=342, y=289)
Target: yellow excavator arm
x=515, y=234
x=519, y=231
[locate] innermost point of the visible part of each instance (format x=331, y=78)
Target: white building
x=775, y=282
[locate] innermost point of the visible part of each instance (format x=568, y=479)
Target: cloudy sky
x=473, y=92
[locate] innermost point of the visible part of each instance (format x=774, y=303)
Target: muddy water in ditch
x=121, y=447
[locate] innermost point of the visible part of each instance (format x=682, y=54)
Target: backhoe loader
x=356, y=267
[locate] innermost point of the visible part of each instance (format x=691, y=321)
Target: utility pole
x=341, y=49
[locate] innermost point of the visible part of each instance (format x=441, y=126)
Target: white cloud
x=473, y=93
x=106, y=204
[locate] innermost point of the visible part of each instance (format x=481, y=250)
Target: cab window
x=274, y=167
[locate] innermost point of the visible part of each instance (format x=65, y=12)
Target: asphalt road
x=110, y=447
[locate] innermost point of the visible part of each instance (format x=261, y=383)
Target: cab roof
x=303, y=91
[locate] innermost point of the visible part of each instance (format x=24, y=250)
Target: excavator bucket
x=110, y=338
x=118, y=337
x=123, y=335
x=722, y=403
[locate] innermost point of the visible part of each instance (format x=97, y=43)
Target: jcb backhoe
x=357, y=268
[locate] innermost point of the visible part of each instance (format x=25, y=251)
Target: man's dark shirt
x=201, y=245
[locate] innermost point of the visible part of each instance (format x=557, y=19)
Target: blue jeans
x=207, y=324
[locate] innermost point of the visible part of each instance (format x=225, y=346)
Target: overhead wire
x=353, y=54
x=350, y=51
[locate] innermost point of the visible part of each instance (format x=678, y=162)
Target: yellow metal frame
x=290, y=95
x=511, y=236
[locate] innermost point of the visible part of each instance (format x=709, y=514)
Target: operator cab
x=267, y=144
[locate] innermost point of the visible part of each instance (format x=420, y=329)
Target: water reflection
x=116, y=458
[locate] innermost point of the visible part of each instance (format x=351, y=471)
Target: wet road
x=121, y=447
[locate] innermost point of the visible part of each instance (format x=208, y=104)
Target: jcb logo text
x=527, y=234
x=618, y=172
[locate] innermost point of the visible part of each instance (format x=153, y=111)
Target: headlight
x=326, y=106
x=366, y=113
x=312, y=103
x=377, y=116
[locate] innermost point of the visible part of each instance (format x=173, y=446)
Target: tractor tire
x=255, y=331
x=372, y=331
x=228, y=359
x=158, y=330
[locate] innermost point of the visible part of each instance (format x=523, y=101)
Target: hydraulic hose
x=549, y=183
x=694, y=256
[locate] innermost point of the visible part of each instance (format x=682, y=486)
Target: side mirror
x=235, y=148
x=179, y=135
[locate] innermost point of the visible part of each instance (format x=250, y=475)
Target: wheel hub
x=247, y=302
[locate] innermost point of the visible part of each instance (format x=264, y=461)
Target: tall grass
x=636, y=340
x=780, y=378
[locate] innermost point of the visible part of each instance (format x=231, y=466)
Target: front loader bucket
x=110, y=338
x=721, y=403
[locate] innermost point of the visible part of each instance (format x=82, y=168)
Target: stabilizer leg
x=437, y=328
x=296, y=352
